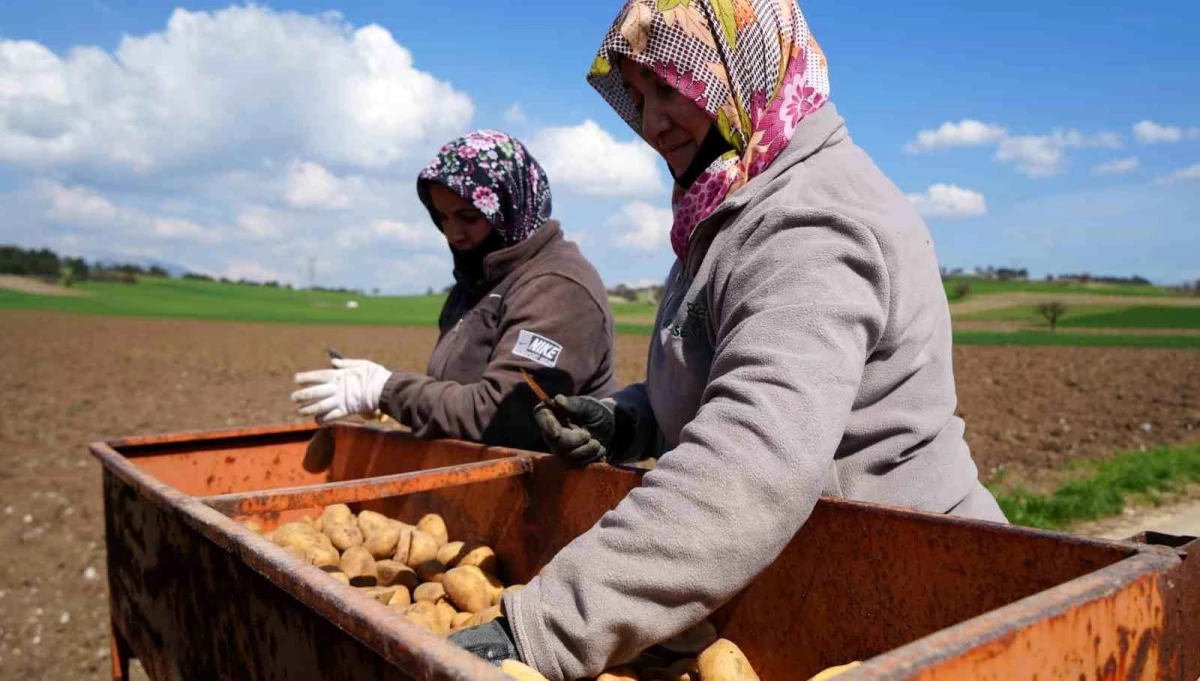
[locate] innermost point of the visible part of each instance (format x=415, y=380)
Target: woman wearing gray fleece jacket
x=802, y=347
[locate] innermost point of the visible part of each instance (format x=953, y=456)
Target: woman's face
x=671, y=123
x=463, y=224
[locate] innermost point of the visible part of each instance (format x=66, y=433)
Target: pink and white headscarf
x=752, y=65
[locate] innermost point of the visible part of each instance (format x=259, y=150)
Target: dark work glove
x=596, y=430
x=492, y=641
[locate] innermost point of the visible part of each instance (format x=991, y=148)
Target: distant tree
x=428, y=291
x=156, y=271
x=195, y=276
x=1052, y=311
x=961, y=290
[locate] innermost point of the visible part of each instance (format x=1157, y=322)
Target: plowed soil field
x=66, y=380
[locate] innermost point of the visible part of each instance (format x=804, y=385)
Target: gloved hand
x=596, y=429
x=353, y=386
x=493, y=641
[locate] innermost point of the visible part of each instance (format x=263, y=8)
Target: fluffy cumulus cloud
x=515, y=115
x=1183, y=174
x=257, y=139
x=217, y=84
x=309, y=185
x=1034, y=155
x=587, y=159
x=1118, y=166
x=950, y=202
x=1045, y=155
x=1149, y=132
x=641, y=226
x=965, y=133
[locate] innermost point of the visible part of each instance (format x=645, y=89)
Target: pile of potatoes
x=445, y=586
x=439, y=584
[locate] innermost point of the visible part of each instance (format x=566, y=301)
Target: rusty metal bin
x=194, y=594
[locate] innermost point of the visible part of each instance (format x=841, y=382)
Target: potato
x=459, y=620
x=483, y=617
x=482, y=557
x=343, y=535
x=322, y=556
x=426, y=612
x=618, y=674
x=520, y=671
x=431, y=571
x=288, y=531
x=429, y=592
x=827, y=674
x=319, y=524
x=340, y=576
x=724, y=661
x=450, y=552
x=382, y=542
x=403, y=545
x=252, y=525
x=390, y=573
x=422, y=548
x=467, y=590
x=358, y=564
x=435, y=527
x=371, y=522
x=383, y=594
x=693, y=640
x=446, y=613
x=336, y=513
x=401, y=598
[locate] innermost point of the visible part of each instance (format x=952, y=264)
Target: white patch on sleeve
x=537, y=348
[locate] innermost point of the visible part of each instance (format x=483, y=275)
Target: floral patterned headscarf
x=496, y=174
x=752, y=65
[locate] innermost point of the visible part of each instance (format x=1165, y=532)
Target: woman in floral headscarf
x=524, y=299
x=802, y=347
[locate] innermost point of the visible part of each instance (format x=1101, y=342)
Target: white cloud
x=949, y=201
x=243, y=81
x=388, y=231
x=965, y=133
x=515, y=114
x=1190, y=173
x=179, y=228
x=586, y=158
x=644, y=226
x=251, y=271
x=79, y=205
x=259, y=224
x=1043, y=155
x=1149, y=132
x=1118, y=166
x=309, y=185
x=1035, y=156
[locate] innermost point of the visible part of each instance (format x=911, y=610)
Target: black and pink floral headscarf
x=752, y=65
x=498, y=175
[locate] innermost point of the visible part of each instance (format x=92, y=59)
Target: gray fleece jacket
x=802, y=349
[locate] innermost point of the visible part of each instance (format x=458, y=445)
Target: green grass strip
x=1105, y=491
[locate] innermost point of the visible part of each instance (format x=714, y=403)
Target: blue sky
x=243, y=140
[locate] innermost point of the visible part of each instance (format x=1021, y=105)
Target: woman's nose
x=655, y=121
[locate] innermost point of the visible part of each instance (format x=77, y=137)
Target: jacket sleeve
x=793, y=322
x=643, y=441
x=498, y=409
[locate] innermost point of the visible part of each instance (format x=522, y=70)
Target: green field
x=155, y=297
x=1099, y=316
x=993, y=286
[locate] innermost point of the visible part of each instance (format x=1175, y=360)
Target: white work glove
x=353, y=386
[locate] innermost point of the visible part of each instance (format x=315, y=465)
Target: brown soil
x=30, y=285
x=74, y=379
